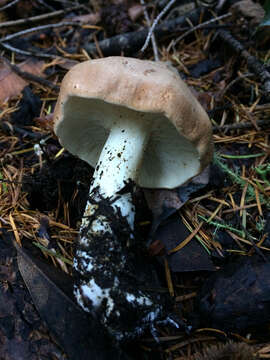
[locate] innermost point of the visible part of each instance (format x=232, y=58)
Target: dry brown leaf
x=12, y=84
x=160, y=199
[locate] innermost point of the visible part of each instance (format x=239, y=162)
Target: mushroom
x=136, y=122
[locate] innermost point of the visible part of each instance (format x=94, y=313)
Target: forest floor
x=210, y=238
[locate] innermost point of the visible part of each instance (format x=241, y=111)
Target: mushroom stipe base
x=113, y=287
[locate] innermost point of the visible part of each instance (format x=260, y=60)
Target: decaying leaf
x=223, y=302
x=171, y=234
x=12, y=84
x=23, y=334
x=28, y=108
x=163, y=203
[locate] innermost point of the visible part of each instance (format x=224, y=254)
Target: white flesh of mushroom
x=119, y=162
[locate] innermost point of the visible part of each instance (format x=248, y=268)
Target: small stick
x=163, y=12
x=253, y=63
x=42, y=3
x=9, y=5
x=30, y=77
x=38, y=18
x=28, y=53
x=200, y=26
x=36, y=29
x=153, y=38
x=131, y=42
x=243, y=126
x=234, y=81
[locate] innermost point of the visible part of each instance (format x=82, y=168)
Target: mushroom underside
x=169, y=159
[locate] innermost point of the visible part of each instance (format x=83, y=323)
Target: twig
x=29, y=53
x=42, y=3
x=220, y=5
x=8, y=128
x=242, y=126
x=65, y=2
x=153, y=39
x=38, y=28
x=163, y=12
x=130, y=43
x=234, y=81
x=34, y=19
x=253, y=63
x=197, y=27
x=30, y=77
x=27, y=31
x=9, y=5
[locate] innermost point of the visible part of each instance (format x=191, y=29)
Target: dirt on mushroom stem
x=107, y=276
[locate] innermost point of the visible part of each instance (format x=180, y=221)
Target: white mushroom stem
x=101, y=257
x=119, y=162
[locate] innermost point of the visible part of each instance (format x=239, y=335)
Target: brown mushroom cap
x=95, y=93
